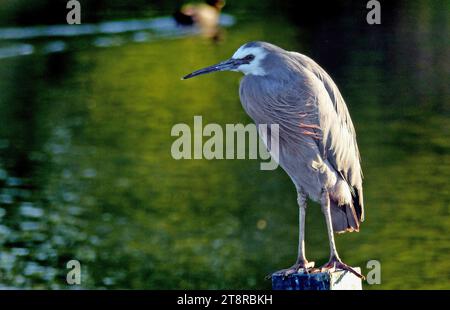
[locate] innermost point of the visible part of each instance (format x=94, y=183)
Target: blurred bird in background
x=203, y=15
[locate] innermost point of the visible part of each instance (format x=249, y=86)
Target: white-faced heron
x=317, y=140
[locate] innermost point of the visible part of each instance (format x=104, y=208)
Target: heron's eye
x=249, y=57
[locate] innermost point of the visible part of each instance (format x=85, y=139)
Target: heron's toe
x=303, y=267
x=333, y=265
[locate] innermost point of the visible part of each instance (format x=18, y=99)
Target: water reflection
x=158, y=25
x=16, y=50
x=54, y=47
x=106, y=33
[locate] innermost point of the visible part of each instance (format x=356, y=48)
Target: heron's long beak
x=227, y=65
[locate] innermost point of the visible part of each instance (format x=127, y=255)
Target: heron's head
x=248, y=59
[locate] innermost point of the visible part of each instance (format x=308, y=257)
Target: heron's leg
x=302, y=263
x=335, y=261
x=325, y=203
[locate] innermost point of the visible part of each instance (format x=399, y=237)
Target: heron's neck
x=253, y=70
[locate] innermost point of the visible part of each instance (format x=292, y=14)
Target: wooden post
x=319, y=281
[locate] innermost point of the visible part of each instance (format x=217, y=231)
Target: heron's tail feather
x=344, y=218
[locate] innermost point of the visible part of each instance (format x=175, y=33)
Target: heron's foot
x=299, y=267
x=335, y=263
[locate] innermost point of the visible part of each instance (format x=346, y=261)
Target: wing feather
x=338, y=142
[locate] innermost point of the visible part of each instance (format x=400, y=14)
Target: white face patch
x=254, y=67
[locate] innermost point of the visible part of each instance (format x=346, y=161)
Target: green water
x=86, y=171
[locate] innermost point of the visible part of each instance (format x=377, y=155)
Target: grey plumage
x=317, y=139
